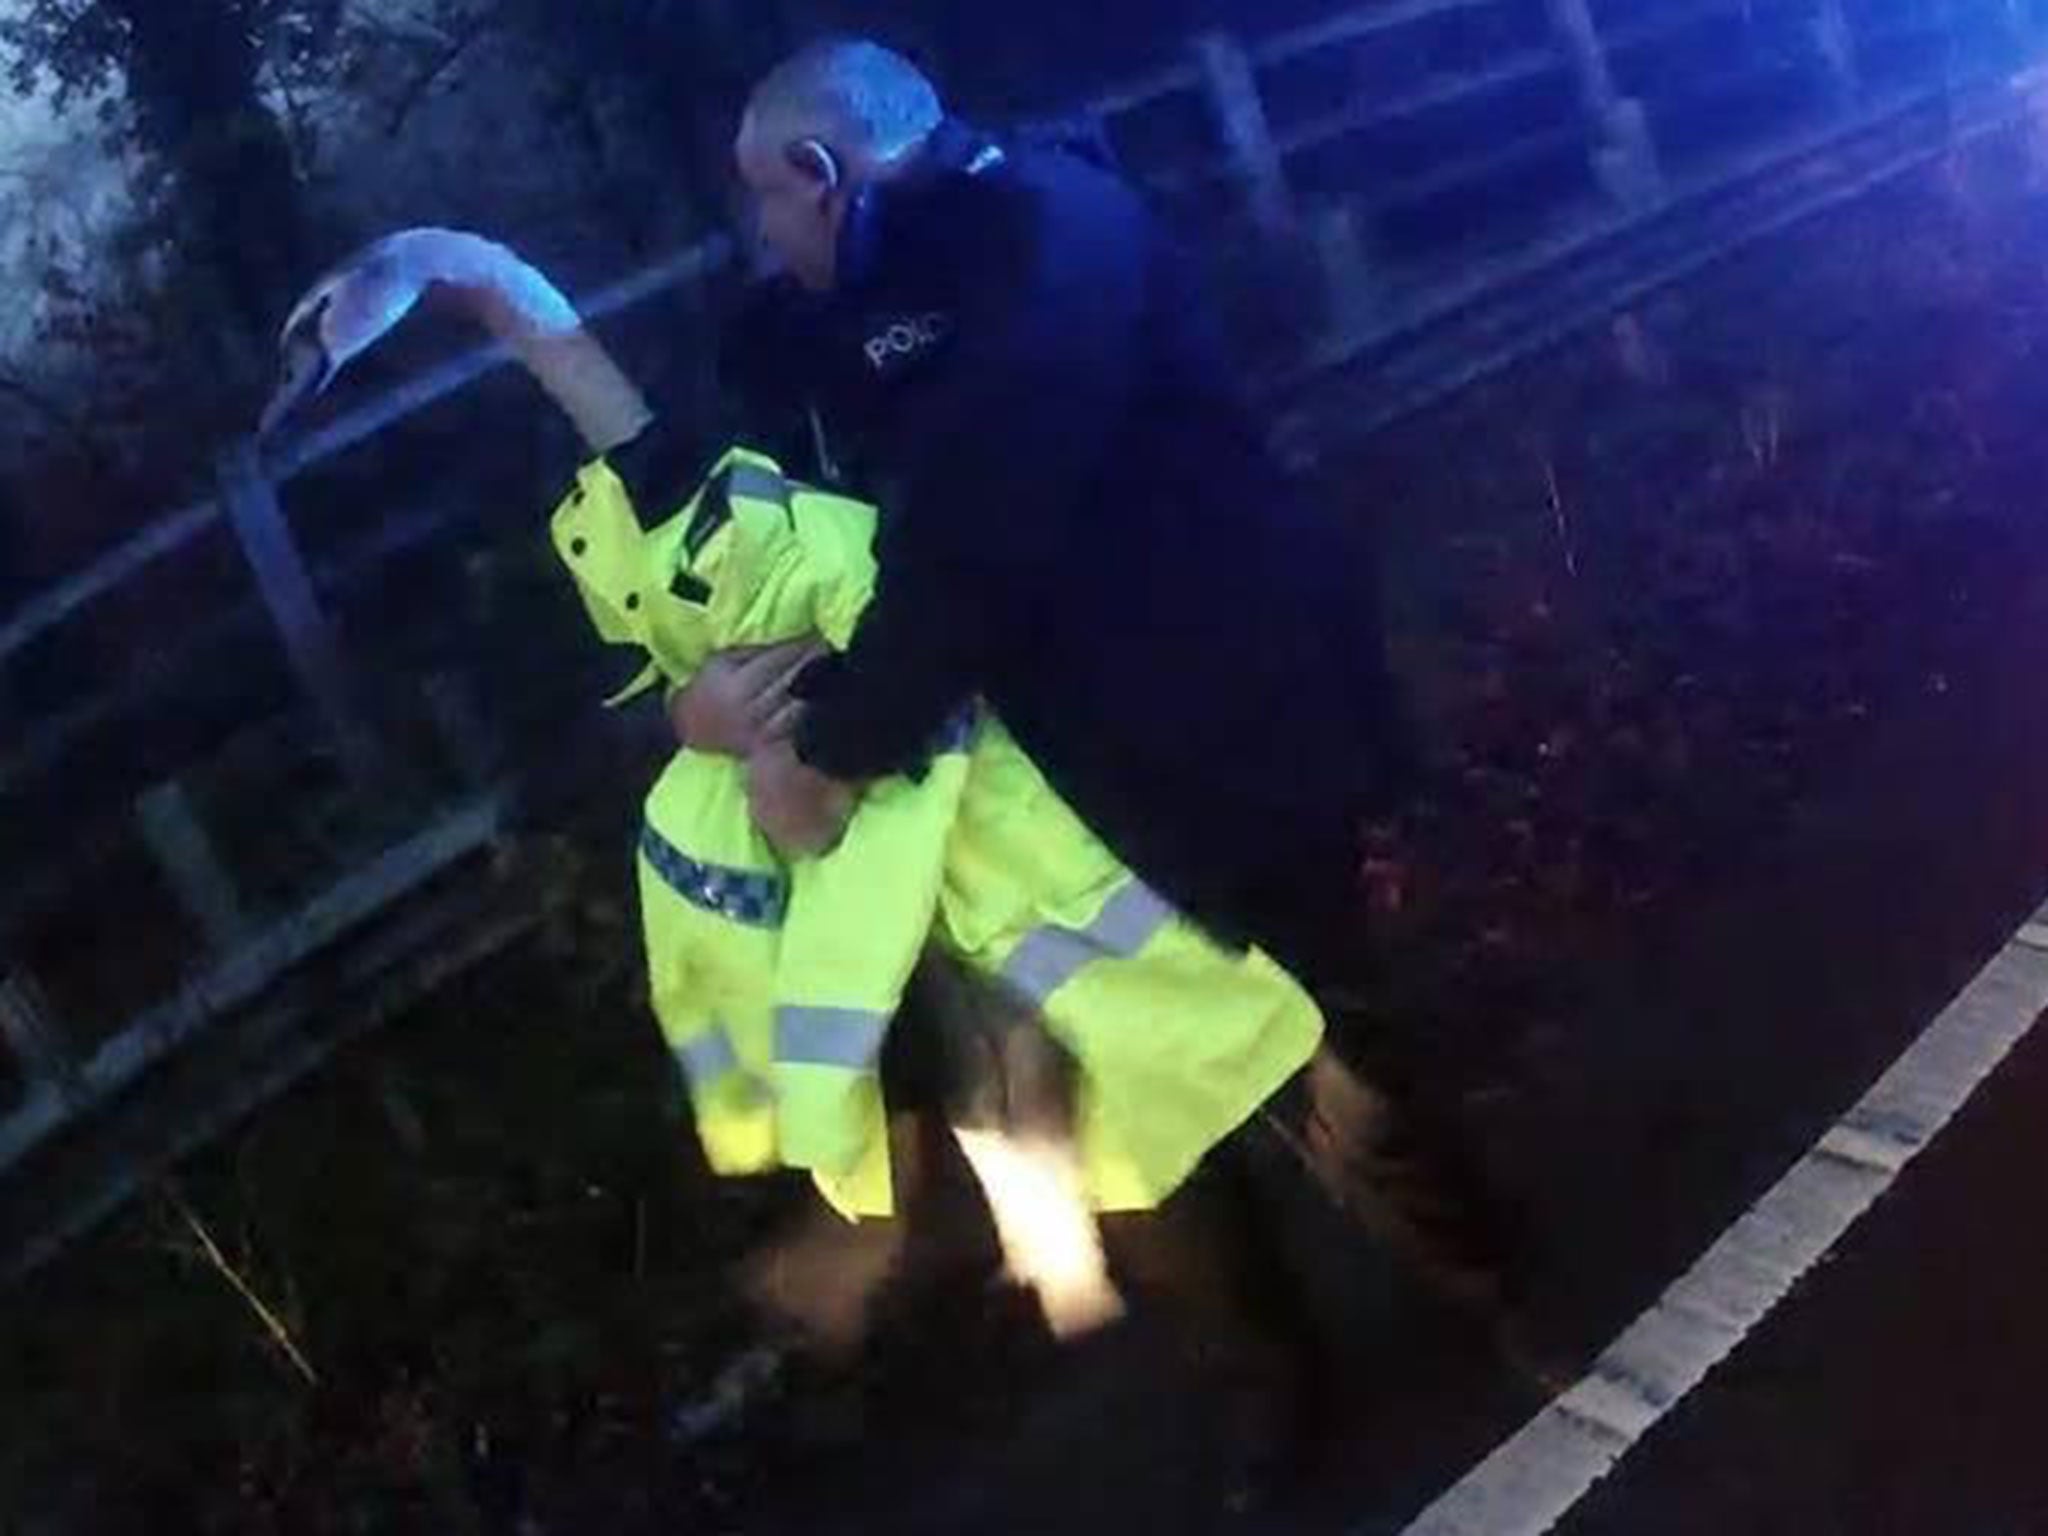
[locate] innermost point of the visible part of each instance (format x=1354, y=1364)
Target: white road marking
x=1535, y=1477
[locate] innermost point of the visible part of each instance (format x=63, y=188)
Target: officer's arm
x=918, y=655
x=969, y=555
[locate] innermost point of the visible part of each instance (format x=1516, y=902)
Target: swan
x=1047, y=1234
x=355, y=305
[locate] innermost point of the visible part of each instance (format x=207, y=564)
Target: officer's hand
x=740, y=699
x=798, y=809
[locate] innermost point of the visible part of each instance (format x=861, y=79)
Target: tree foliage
x=254, y=140
x=187, y=87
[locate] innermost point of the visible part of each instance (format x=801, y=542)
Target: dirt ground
x=1699, y=613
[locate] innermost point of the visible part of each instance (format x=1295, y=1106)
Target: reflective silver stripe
x=757, y=482
x=709, y=1058
x=829, y=1037
x=1049, y=957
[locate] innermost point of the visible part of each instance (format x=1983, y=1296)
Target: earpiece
x=814, y=158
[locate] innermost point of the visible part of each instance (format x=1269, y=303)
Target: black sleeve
x=986, y=512
x=916, y=659
x=761, y=356
x=767, y=350
x=764, y=346
x=659, y=469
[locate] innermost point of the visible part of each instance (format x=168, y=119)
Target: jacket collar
x=890, y=223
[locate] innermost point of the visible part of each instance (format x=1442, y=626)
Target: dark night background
x=1721, y=596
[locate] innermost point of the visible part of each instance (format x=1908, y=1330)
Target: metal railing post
x=184, y=850
x=1624, y=155
x=287, y=588
x=2012, y=27
x=1836, y=46
x=1232, y=87
x=31, y=1030
x=1349, y=281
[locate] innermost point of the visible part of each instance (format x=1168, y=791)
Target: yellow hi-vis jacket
x=774, y=983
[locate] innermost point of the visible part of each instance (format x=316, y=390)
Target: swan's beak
x=306, y=372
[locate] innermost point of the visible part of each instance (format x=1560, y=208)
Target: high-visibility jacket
x=774, y=983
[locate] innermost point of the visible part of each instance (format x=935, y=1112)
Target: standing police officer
x=1083, y=525
x=1082, y=521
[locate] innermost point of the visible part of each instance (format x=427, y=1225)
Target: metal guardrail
x=65, y=1083
x=1372, y=378
x=1225, y=72
x=171, y=531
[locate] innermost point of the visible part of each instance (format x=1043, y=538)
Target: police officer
x=1082, y=524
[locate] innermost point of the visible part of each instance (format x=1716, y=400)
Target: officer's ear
x=814, y=160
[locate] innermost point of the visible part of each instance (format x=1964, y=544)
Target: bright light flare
x=1049, y=1237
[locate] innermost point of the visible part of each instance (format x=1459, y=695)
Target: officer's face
x=796, y=210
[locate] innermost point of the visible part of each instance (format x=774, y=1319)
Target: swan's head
x=361, y=301
x=342, y=316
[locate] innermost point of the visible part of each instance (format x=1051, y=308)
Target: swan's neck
x=516, y=303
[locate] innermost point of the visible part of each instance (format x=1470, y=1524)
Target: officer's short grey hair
x=856, y=95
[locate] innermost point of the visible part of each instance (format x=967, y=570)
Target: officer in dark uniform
x=1081, y=524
